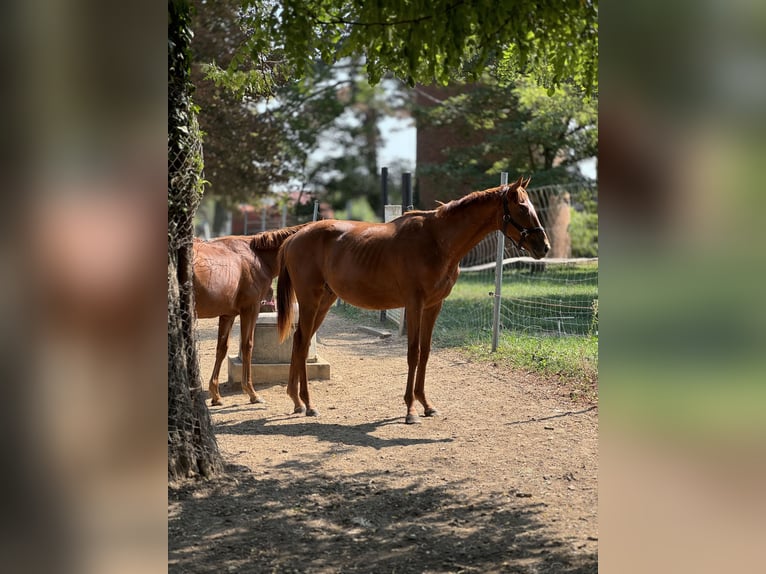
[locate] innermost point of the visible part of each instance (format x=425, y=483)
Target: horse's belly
x=368, y=298
x=384, y=292
x=210, y=309
x=213, y=304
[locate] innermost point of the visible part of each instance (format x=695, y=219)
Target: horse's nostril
x=547, y=248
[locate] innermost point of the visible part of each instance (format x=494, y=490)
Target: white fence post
x=498, y=277
x=396, y=315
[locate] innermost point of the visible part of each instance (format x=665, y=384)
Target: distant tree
x=349, y=174
x=254, y=143
x=244, y=147
x=515, y=127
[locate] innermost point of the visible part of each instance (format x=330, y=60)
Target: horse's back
x=372, y=265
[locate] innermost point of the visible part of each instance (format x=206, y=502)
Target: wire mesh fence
x=192, y=449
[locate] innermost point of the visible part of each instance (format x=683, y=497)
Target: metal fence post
x=383, y=203
x=383, y=192
x=406, y=191
x=498, y=276
x=406, y=206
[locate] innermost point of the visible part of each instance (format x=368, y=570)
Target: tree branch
x=418, y=20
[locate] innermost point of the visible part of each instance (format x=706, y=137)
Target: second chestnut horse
x=410, y=262
x=232, y=275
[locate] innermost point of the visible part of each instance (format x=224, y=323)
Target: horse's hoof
x=299, y=410
x=432, y=412
x=215, y=402
x=412, y=420
x=312, y=412
x=256, y=400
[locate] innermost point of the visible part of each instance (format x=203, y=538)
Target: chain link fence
x=192, y=448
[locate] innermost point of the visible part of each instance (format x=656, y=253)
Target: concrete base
x=271, y=359
x=266, y=345
x=275, y=372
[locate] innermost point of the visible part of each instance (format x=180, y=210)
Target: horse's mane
x=478, y=196
x=271, y=240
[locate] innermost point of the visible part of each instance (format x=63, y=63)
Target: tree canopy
x=418, y=41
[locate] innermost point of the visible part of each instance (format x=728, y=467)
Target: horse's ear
x=526, y=183
x=519, y=183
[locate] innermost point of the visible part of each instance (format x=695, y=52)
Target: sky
x=400, y=138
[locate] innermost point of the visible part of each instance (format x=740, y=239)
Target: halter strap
x=507, y=218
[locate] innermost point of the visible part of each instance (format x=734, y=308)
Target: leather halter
x=507, y=218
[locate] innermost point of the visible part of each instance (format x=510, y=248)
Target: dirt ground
x=503, y=480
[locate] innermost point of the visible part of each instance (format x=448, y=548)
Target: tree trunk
x=192, y=448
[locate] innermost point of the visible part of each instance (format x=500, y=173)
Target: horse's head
x=520, y=222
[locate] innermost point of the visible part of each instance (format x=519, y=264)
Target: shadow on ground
x=332, y=434
x=357, y=523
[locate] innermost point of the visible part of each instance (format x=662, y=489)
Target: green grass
x=572, y=361
x=556, y=301
x=549, y=322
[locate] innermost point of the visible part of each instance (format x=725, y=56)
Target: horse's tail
x=285, y=296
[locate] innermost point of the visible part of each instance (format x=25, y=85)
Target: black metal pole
x=384, y=192
x=406, y=191
x=406, y=206
x=384, y=202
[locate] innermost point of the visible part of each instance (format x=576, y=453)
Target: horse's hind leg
x=298, y=360
x=248, y=319
x=222, y=345
x=292, y=382
x=310, y=319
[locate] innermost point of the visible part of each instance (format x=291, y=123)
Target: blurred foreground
x=683, y=322
x=682, y=318
x=83, y=154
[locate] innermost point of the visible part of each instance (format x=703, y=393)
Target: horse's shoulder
x=229, y=246
x=336, y=227
x=223, y=240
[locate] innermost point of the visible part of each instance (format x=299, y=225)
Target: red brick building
x=431, y=141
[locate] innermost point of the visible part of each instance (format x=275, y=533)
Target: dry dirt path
x=504, y=480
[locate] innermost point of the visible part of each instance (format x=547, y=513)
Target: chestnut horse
x=232, y=275
x=410, y=262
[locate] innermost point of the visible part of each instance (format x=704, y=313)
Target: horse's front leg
x=248, y=319
x=426, y=332
x=413, y=356
x=222, y=345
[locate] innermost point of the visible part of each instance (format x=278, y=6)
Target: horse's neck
x=466, y=225
x=268, y=258
x=267, y=248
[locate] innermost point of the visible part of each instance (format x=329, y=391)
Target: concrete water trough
x=271, y=359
